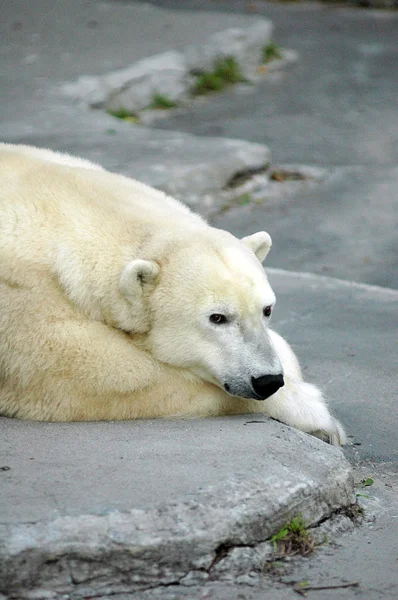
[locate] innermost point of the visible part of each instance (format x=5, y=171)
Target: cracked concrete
x=139, y=538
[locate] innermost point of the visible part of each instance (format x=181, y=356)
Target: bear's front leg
x=59, y=366
x=301, y=404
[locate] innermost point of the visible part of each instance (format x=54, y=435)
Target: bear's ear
x=136, y=276
x=260, y=243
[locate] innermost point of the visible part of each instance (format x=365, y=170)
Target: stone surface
x=134, y=88
x=155, y=499
x=336, y=110
x=140, y=464
x=366, y=556
x=38, y=56
x=245, y=45
x=349, y=216
x=169, y=74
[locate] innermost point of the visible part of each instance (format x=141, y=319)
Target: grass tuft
x=226, y=72
x=160, y=101
x=293, y=538
x=124, y=115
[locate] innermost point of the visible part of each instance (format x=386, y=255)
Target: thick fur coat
x=117, y=302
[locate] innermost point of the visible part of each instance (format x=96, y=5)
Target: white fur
x=107, y=288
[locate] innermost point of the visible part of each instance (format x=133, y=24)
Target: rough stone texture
x=245, y=45
x=336, y=109
x=160, y=518
x=213, y=165
x=349, y=214
x=174, y=162
x=169, y=74
x=133, y=89
x=38, y=55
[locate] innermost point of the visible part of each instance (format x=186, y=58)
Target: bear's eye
x=218, y=319
x=267, y=311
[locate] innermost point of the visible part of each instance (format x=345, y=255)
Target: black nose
x=267, y=385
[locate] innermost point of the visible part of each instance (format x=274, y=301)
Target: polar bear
x=117, y=302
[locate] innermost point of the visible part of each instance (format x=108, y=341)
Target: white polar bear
x=117, y=302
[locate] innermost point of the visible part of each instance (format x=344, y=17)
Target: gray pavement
x=350, y=219
x=366, y=556
x=39, y=55
x=336, y=107
x=108, y=509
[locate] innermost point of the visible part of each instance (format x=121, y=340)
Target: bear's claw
x=335, y=436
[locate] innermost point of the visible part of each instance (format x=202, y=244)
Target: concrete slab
x=81, y=517
x=336, y=106
x=350, y=568
x=172, y=161
x=334, y=109
x=76, y=469
x=39, y=54
x=343, y=226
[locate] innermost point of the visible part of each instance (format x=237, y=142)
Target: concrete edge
x=238, y=156
x=333, y=281
x=145, y=548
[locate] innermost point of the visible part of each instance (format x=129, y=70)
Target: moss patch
x=124, y=115
x=161, y=102
x=226, y=72
x=244, y=199
x=271, y=52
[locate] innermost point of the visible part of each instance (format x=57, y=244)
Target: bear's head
x=207, y=305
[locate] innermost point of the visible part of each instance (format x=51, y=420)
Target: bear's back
x=48, y=199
